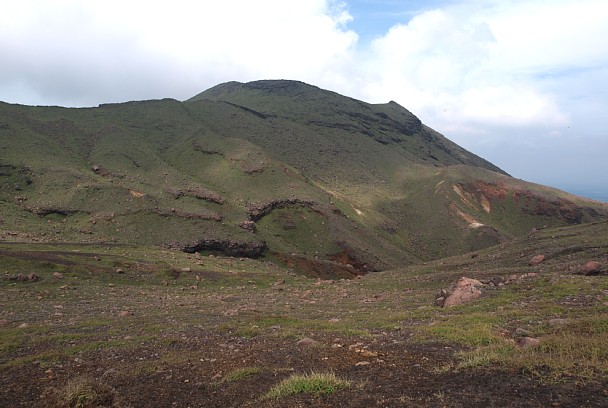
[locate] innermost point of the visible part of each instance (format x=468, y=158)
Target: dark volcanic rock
x=226, y=247
x=257, y=211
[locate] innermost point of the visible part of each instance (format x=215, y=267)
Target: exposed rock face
x=257, y=211
x=591, y=268
x=199, y=192
x=225, y=246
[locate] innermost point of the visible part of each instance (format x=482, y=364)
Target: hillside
x=121, y=326
x=319, y=181
x=152, y=254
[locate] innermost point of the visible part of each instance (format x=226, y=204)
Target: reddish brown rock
x=466, y=290
x=591, y=268
x=536, y=260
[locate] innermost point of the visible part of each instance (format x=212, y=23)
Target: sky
x=523, y=84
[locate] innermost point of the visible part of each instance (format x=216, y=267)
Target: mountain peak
x=278, y=87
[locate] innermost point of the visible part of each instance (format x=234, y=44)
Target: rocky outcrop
x=227, y=247
x=258, y=211
x=198, y=192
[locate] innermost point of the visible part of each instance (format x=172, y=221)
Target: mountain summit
x=320, y=181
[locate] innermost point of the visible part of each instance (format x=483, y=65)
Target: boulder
x=591, y=268
x=466, y=290
x=536, y=260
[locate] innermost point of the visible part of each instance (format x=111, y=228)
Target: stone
x=558, y=322
x=526, y=342
x=466, y=290
x=307, y=342
x=498, y=280
x=57, y=275
x=440, y=301
x=537, y=259
x=591, y=268
x=120, y=271
x=124, y=313
x=519, y=332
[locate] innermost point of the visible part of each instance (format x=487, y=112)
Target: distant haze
x=522, y=84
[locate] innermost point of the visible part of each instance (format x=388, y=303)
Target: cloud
x=523, y=84
x=74, y=52
x=458, y=65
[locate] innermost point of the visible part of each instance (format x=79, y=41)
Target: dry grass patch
x=85, y=392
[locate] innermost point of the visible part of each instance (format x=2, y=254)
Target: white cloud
x=523, y=84
x=79, y=52
x=481, y=66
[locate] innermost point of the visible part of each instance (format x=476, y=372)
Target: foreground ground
x=152, y=327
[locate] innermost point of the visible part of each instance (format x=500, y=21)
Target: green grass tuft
x=313, y=383
x=240, y=374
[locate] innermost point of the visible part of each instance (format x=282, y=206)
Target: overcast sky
x=523, y=84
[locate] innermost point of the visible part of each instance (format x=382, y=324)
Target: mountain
x=325, y=183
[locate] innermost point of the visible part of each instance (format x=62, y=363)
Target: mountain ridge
x=338, y=181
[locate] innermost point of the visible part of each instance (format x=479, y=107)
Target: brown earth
x=402, y=375
x=173, y=344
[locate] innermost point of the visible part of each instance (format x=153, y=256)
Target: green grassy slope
x=282, y=165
